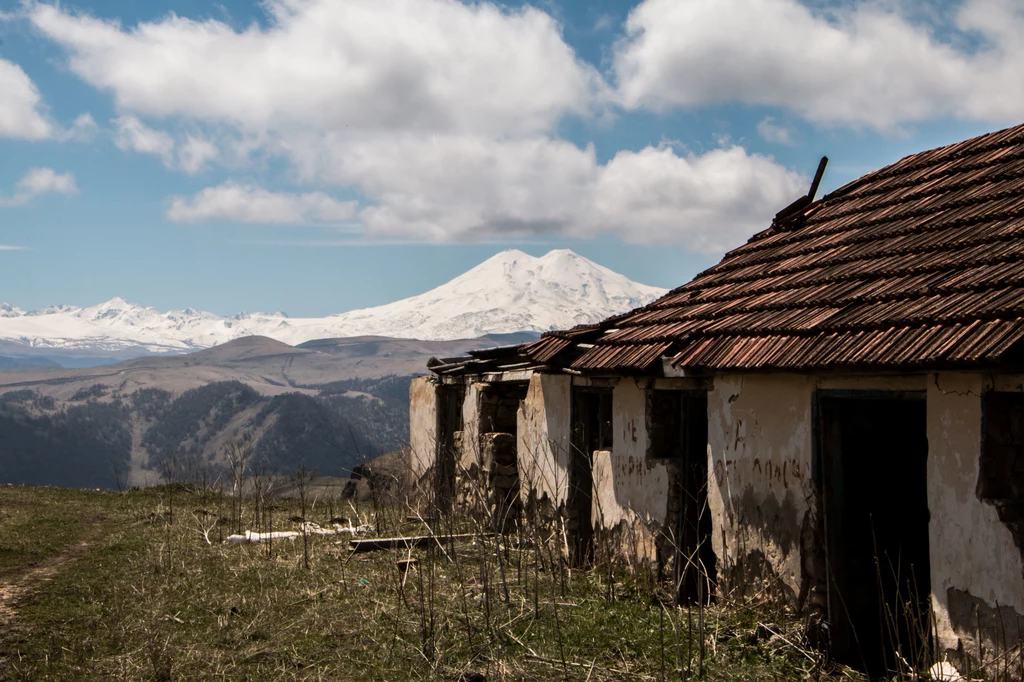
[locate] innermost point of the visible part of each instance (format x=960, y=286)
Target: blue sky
x=315, y=156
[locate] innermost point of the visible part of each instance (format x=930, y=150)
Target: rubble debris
x=945, y=671
x=309, y=528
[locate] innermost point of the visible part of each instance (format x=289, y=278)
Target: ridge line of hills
x=157, y=391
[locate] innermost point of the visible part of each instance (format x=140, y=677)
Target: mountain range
x=508, y=293
x=187, y=388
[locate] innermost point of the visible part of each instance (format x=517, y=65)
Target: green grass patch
x=39, y=523
x=153, y=600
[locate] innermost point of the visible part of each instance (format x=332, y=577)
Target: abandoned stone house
x=847, y=385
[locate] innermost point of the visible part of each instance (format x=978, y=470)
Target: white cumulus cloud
x=83, y=129
x=463, y=187
x=441, y=115
x=21, y=113
x=195, y=153
x=252, y=204
x=770, y=131
x=191, y=153
x=370, y=64
x=39, y=181
x=863, y=64
x=131, y=134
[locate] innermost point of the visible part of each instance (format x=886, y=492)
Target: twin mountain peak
x=510, y=292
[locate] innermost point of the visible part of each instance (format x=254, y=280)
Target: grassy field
x=140, y=586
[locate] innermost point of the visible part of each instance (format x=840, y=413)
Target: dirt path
x=14, y=588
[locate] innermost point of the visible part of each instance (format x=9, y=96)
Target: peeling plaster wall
x=973, y=556
x=543, y=439
x=422, y=426
x=761, y=490
x=760, y=435
x=760, y=487
x=470, y=451
x=631, y=492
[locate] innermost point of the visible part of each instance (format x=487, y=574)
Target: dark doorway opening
x=591, y=430
x=499, y=407
x=873, y=451
x=449, y=423
x=678, y=431
x=498, y=427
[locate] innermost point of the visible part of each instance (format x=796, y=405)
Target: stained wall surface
x=763, y=498
x=631, y=491
x=470, y=452
x=761, y=492
x=976, y=569
x=543, y=439
x=759, y=470
x=422, y=426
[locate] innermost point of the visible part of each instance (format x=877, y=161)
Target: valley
x=327, y=405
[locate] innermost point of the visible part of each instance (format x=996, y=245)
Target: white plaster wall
x=970, y=547
x=470, y=454
x=543, y=438
x=759, y=449
x=422, y=426
x=628, y=486
x=760, y=434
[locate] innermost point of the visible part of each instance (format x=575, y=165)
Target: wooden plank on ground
x=375, y=544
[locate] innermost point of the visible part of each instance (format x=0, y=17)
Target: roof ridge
x=930, y=154
x=850, y=279
x=954, y=170
x=844, y=261
x=855, y=238
x=960, y=170
x=790, y=236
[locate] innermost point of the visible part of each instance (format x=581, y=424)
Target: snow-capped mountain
x=510, y=292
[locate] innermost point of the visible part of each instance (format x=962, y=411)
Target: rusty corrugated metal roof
x=620, y=357
x=920, y=263
x=545, y=348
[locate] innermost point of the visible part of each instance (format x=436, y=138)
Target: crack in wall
x=943, y=391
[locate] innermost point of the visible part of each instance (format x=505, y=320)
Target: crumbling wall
x=976, y=568
x=760, y=488
x=631, y=491
x=762, y=494
x=473, y=468
x=486, y=476
x=469, y=452
x=543, y=445
x=502, y=476
x=422, y=428
x=499, y=405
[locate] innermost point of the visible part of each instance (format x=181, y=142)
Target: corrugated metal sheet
x=546, y=348
x=620, y=357
x=917, y=264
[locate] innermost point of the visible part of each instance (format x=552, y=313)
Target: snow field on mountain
x=510, y=292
